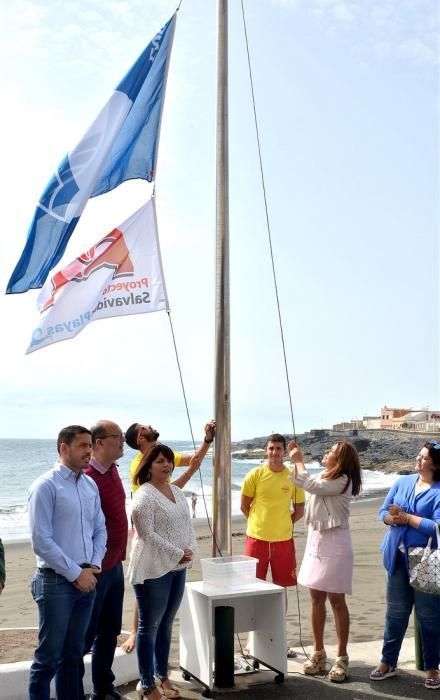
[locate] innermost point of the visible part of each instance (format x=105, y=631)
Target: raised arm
x=186, y=460
x=296, y=456
x=193, y=465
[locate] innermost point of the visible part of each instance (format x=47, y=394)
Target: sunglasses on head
x=435, y=444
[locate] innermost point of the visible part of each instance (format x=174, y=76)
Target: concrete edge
x=14, y=677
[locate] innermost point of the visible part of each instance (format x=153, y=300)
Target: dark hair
x=276, y=437
x=67, y=435
x=435, y=456
x=347, y=462
x=143, y=472
x=131, y=435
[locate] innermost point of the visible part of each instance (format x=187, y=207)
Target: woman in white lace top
x=163, y=547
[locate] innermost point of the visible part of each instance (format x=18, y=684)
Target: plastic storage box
x=223, y=570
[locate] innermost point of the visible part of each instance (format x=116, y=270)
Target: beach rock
x=382, y=450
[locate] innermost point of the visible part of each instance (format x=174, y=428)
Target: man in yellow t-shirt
x=272, y=504
x=144, y=437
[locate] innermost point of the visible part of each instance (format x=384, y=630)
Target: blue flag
x=120, y=145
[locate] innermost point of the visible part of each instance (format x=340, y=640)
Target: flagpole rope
x=269, y=234
x=266, y=208
x=181, y=380
x=191, y=430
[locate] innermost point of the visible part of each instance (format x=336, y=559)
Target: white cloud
x=404, y=29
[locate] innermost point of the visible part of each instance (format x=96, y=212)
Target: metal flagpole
x=222, y=543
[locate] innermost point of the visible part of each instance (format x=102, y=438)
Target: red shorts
x=280, y=556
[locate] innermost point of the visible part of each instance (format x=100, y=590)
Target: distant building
x=356, y=424
x=346, y=425
x=395, y=419
x=423, y=421
x=371, y=422
x=390, y=417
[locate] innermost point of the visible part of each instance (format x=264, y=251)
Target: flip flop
x=378, y=675
x=432, y=683
x=291, y=653
x=172, y=693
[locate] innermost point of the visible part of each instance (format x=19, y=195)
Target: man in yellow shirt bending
x=272, y=504
x=144, y=437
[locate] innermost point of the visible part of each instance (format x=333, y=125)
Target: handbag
x=424, y=567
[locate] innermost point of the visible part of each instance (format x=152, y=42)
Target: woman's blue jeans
x=158, y=601
x=64, y=614
x=400, y=600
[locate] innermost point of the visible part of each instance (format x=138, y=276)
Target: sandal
x=170, y=692
x=432, y=682
x=339, y=671
x=316, y=663
x=291, y=653
x=147, y=692
x=378, y=675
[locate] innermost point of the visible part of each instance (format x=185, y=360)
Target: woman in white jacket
x=163, y=547
x=327, y=566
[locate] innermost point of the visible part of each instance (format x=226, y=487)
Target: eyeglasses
x=118, y=436
x=435, y=444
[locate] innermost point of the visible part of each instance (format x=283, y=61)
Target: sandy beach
x=367, y=604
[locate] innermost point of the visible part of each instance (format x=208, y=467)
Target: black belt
x=46, y=570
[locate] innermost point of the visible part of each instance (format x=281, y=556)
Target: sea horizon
x=30, y=458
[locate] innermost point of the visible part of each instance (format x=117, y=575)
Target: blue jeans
x=64, y=614
x=400, y=600
x=104, y=627
x=158, y=601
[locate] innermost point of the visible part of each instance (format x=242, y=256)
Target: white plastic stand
x=259, y=608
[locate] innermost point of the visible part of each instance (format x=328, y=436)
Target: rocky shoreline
x=382, y=450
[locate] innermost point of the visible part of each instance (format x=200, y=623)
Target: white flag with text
x=118, y=276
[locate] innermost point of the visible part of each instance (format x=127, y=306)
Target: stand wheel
x=279, y=678
x=206, y=693
x=255, y=664
x=186, y=676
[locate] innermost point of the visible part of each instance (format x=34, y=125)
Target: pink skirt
x=328, y=561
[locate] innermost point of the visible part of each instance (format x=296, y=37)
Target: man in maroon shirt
x=106, y=621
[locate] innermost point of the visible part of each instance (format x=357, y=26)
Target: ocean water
x=22, y=461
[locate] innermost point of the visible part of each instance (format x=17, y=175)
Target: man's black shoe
x=110, y=695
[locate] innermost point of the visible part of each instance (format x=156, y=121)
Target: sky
x=347, y=100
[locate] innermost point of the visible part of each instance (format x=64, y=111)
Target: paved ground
x=409, y=683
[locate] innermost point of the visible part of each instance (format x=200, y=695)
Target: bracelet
x=208, y=442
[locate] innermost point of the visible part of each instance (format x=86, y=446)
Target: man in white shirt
x=68, y=536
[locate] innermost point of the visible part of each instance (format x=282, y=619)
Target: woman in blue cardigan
x=411, y=509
